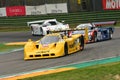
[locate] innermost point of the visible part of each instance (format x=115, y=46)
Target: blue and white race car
x=97, y=31
x=104, y=33
x=105, y=30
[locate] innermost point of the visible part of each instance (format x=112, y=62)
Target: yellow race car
x=56, y=44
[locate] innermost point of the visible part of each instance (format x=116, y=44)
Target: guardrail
x=71, y=18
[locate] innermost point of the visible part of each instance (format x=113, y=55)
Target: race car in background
x=42, y=27
x=97, y=31
x=55, y=44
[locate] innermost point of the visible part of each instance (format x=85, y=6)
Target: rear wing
x=34, y=22
x=39, y=21
x=68, y=32
x=100, y=24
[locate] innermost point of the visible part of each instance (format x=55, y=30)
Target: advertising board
x=35, y=10
x=57, y=8
x=16, y=11
x=2, y=12
x=111, y=4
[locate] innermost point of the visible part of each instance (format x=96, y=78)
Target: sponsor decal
x=111, y=4
x=74, y=43
x=45, y=45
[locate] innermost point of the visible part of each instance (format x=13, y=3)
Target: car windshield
x=49, y=39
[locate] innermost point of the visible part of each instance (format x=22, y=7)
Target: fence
x=71, y=18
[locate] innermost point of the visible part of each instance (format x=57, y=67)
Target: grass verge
x=109, y=71
x=118, y=24
x=5, y=48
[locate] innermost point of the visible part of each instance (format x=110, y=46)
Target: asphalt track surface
x=13, y=63
x=16, y=36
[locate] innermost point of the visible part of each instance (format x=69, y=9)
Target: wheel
x=110, y=35
x=95, y=37
x=41, y=31
x=81, y=40
x=32, y=31
x=48, y=32
x=66, y=49
x=33, y=34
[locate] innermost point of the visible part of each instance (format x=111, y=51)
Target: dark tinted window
x=53, y=23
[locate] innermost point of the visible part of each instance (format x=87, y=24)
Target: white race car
x=42, y=27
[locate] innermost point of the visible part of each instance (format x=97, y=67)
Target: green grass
x=5, y=48
x=109, y=71
x=118, y=24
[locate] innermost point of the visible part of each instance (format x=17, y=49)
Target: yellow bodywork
x=36, y=50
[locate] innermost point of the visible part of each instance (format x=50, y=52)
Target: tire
x=110, y=34
x=33, y=34
x=41, y=30
x=65, y=49
x=32, y=31
x=95, y=37
x=48, y=32
x=81, y=40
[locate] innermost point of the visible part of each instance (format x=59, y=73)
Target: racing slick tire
x=110, y=34
x=32, y=31
x=81, y=40
x=41, y=30
x=95, y=37
x=65, y=49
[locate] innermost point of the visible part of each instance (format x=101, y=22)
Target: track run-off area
x=13, y=62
